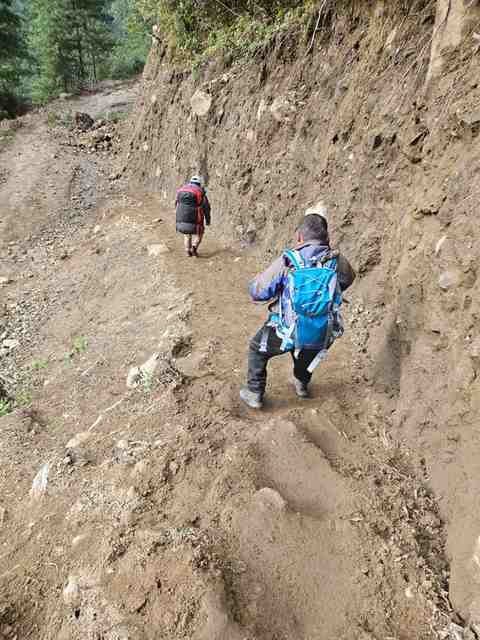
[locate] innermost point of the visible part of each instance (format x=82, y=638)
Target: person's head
x=319, y=209
x=197, y=180
x=314, y=228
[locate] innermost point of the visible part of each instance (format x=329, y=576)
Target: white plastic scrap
x=40, y=482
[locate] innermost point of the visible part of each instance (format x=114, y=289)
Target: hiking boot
x=301, y=389
x=252, y=399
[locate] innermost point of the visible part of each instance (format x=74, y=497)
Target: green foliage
x=12, y=53
x=70, y=40
x=52, y=119
x=76, y=42
x=239, y=27
x=38, y=365
x=79, y=346
x=113, y=116
x=23, y=398
x=6, y=136
x=132, y=41
x=5, y=407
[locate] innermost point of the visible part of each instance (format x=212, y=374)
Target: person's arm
x=346, y=273
x=268, y=285
x=207, y=210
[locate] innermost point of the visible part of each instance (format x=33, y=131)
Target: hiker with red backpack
x=305, y=287
x=192, y=213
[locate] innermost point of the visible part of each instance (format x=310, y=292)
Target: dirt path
x=170, y=510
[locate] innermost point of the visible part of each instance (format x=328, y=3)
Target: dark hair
x=314, y=227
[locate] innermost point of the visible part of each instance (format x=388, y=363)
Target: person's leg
x=263, y=346
x=187, y=240
x=197, y=241
x=301, y=375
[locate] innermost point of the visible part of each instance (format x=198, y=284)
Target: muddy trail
x=138, y=498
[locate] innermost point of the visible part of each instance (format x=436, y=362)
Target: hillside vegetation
x=54, y=46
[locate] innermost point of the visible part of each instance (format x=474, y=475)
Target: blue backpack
x=312, y=320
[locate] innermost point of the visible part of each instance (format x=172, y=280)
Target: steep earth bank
x=144, y=502
x=380, y=120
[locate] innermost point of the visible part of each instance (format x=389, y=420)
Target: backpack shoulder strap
x=329, y=260
x=294, y=258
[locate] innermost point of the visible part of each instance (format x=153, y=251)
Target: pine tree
x=132, y=38
x=69, y=38
x=11, y=50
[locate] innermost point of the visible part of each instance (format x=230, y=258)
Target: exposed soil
x=169, y=510
x=139, y=500
x=380, y=121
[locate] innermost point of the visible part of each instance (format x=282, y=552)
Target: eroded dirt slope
x=380, y=121
x=162, y=508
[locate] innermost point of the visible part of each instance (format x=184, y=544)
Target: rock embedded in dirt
x=10, y=344
x=449, y=280
x=157, y=250
x=79, y=439
x=201, y=103
x=71, y=594
x=270, y=499
x=282, y=109
x=144, y=373
x=5, y=280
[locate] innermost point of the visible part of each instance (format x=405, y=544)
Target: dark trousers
x=258, y=360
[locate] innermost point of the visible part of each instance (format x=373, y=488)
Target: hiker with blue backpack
x=305, y=287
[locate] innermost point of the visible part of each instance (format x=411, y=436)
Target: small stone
x=79, y=439
x=139, y=469
x=439, y=245
x=474, y=350
x=71, y=594
x=157, y=249
x=144, y=373
x=449, y=280
x=79, y=539
x=4, y=281
x=455, y=632
x=269, y=498
x=134, y=377
x=262, y=107
x=10, y=344
x=173, y=467
x=409, y=593
x=282, y=109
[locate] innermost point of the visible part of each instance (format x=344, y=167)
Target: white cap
x=197, y=180
x=319, y=209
